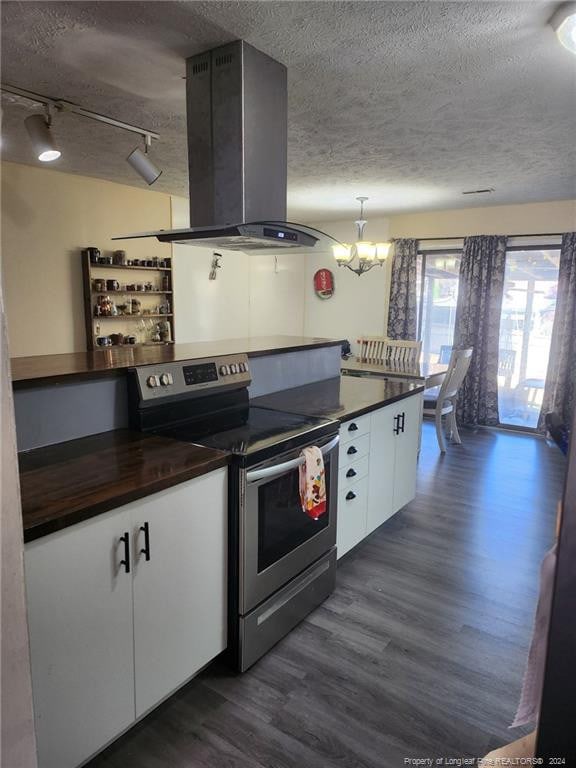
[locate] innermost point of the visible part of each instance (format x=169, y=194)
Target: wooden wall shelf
x=128, y=266
x=91, y=272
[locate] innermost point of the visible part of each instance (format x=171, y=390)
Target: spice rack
x=138, y=307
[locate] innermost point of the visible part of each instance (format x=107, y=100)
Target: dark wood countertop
x=114, y=361
x=66, y=483
x=343, y=398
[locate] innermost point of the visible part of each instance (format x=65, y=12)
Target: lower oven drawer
x=274, y=618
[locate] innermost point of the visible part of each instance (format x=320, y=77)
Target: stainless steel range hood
x=237, y=115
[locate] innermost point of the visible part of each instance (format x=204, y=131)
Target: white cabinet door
x=180, y=594
x=407, y=443
x=81, y=638
x=381, y=471
x=352, y=507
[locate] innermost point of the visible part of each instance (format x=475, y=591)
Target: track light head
x=38, y=127
x=142, y=164
x=563, y=22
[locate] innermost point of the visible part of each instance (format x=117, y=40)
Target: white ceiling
x=410, y=103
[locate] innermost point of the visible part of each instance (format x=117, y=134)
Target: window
x=528, y=307
x=437, y=295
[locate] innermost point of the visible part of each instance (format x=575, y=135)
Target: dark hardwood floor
x=418, y=653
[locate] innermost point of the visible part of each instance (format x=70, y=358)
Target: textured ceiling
x=410, y=103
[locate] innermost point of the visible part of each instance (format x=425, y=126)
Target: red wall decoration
x=324, y=284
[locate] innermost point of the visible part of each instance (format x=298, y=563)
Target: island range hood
x=237, y=122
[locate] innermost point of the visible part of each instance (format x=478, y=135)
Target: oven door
x=278, y=539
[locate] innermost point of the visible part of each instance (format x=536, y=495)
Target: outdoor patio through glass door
x=526, y=321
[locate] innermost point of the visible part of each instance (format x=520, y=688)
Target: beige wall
x=527, y=219
x=17, y=742
x=359, y=306
x=254, y=294
x=47, y=217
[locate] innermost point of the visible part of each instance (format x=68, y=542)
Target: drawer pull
x=353, y=427
x=146, y=551
x=350, y=495
x=351, y=472
x=126, y=561
x=351, y=450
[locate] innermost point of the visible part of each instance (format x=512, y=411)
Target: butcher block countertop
x=114, y=361
x=70, y=482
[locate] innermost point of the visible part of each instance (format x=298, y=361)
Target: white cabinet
x=382, y=471
x=180, y=592
x=107, y=645
x=377, y=477
x=406, y=450
x=81, y=638
x=352, y=510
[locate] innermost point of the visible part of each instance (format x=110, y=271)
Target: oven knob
x=224, y=370
x=164, y=380
x=152, y=381
x=243, y=367
x=170, y=378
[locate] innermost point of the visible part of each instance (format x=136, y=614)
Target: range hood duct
x=237, y=117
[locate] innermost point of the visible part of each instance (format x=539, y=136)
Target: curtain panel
x=477, y=325
x=559, y=390
x=402, y=307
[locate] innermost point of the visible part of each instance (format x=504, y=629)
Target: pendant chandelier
x=362, y=255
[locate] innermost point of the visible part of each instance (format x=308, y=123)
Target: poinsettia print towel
x=313, y=483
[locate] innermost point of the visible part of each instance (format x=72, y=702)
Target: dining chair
x=380, y=350
x=373, y=349
x=401, y=352
x=443, y=403
x=506, y=364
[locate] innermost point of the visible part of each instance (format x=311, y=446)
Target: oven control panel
x=190, y=377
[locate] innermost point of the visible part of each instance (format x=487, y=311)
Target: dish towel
x=312, y=483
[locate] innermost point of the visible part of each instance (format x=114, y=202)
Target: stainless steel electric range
x=282, y=564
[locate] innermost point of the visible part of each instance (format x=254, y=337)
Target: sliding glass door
x=437, y=294
x=526, y=323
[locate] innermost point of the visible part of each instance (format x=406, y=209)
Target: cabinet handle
x=126, y=561
x=350, y=495
x=353, y=427
x=403, y=420
x=351, y=450
x=396, y=429
x=146, y=550
x=351, y=472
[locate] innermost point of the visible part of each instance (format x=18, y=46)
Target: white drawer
x=353, y=450
x=352, y=516
x=351, y=474
x=350, y=430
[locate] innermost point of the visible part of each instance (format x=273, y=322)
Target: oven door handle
x=286, y=466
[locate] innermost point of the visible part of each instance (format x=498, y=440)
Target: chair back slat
x=457, y=370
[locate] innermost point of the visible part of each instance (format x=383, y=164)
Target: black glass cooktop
x=252, y=430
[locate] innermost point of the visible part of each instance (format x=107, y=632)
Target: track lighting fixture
x=142, y=164
x=38, y=127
